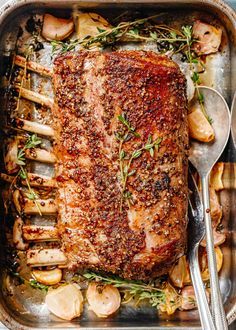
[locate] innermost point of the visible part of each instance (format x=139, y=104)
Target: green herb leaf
x=200, y=98
x=153, y=35
x=100, y=30
x=22, y=174
x=136, y=154
x=122, y=154
x=134, y=31
x=20, y=162
x=138, y=289
x=173, y=34
x=131, y=172
x=187, y=30
x=151, y=151
x=31, y=195
x=195, y=78
x=148, y=146
x=37, y=285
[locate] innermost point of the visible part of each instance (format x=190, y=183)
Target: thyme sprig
x=135, y=288
x=141, y=30
x=192, y=60
x=32, y=282
x=149, y=146
x=125, y=160
x=104, y=38
x=32, y=141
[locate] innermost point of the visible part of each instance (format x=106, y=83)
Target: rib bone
x=40, y=233
x=34, y=127
x=35, y=180
x=33, y=66
x=17, y=235
x=45, y=257
x=16, y=200
x=35, y=97
x=6, y=177
x=40, y=155
x=47, y=206
x=28, y=206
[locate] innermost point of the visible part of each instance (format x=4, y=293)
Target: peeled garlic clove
x=216, y=208
x=90, y=23
x=219, y=238
x=190, y=88
x=199, y=127
x=10, y=158
x=55, y=28
x=48, y=277
x=219, y=262
x=208, y=38
x=65, y=302
x=216, y=176
x=189, y=299
x=179, y=274
x=103, y=300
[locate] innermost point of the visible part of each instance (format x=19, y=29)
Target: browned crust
x=151, y=91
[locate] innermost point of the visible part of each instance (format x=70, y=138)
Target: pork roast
x=121, y=144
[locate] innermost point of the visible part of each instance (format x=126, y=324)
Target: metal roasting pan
x=26, y=310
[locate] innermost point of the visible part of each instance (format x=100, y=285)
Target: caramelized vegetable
x=203, y=263
x=216, y=208
x=199, y=127
x=89, y=24
x=190, y=88
x=179, y=274
x=103, y=300
x=219, y=238
x=188, y=300
x=208, y=36
x=216, y=176
x=65, y=302
x=47, y=277
x=55, y=28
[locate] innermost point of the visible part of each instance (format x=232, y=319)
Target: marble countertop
x=2, y=2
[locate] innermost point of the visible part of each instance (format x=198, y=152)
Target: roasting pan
x=12, y=309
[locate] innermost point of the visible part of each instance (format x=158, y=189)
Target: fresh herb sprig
x=104, y=38
x=32, y=282
x=32, y=142
x=192, y=60
x=139, y=290
x=138, y=30
x=125, y=160
x=36, y=285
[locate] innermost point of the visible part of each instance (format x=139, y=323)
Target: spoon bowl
x=204, y=155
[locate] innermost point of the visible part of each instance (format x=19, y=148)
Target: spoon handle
x=218, y=312
x=200, y=293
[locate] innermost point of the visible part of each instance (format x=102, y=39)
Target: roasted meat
x=121, y=146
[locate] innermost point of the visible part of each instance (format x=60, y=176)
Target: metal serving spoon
x=196, y=232
x=203, y=156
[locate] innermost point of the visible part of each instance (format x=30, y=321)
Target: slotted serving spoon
x=203, y=156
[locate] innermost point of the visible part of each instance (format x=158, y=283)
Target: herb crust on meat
x=121, y=144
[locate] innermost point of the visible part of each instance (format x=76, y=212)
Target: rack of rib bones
x=23, y=233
